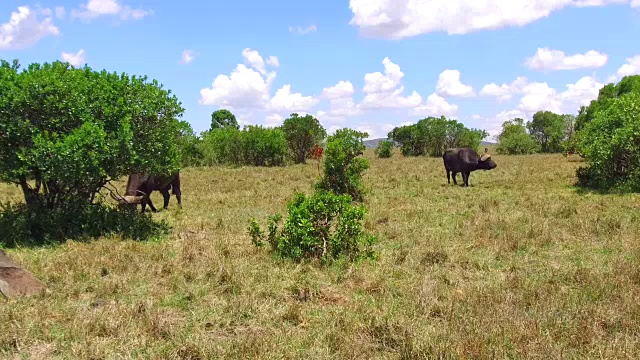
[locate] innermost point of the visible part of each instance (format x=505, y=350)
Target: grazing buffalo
x=465, y=160
x=140, y=187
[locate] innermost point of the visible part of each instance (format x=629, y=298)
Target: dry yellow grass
x=519, y=265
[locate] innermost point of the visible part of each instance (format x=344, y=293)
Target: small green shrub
x=302, y=133
x=324, y=226
x=343, y=168
x=384, y=149
x=514, y=139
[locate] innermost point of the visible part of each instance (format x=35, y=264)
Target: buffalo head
x=485, y=162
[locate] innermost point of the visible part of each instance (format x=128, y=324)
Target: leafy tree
x=343, y=168
x=628, y=84
x=302, y=133
x=384, y=149
x=223, y=118
x=66, y=132
x=514, y=139
x=433, y=136
x=610, y=142
x=548, y=129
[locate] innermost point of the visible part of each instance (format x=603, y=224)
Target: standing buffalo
x=140, y=187
x=465, y=160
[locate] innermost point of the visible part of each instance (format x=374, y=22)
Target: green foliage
x=628, y=85
x=384, y=149
x=548, y=129
x=253, y=145
x=189, y=146
x=20, y=226
x=432, y=136
x=343, y=168
x=223, y=118
x=65, y=132
x=302, y=133
x=324, y=225
x=610, y=142
x=514, y=139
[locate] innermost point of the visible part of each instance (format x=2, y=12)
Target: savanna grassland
x=519, y=265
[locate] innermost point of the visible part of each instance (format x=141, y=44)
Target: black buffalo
x=465, y=160
x=140, y=187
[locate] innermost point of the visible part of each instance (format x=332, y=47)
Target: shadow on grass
x=19, y=227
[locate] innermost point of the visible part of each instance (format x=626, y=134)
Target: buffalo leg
x=166, y=196
x=465, y=177
x=148, y=201
x=178, y=194
x=454, y=178
x=448, y=177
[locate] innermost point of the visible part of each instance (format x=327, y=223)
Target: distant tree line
x=606, y=133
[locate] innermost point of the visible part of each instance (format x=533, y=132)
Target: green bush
x=324, y=225
x=514, y=139
x=384, y=149
x=65, y=132
x=610, y=143
x=252, y=146
x=189, y=146
x=343, y=168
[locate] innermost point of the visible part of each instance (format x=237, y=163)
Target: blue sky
x=365, y=64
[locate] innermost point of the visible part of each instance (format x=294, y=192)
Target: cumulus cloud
x=632, y=67
x=77, y=59
x=393, y=19
x=286, y=101
x=504, y=92
x=546, y=59
x=385, y=90
x=273, y=61
x=303, y=30
x=449, y=85
x=25, y=27
x=187, y=57
x=435, y=105
x=97, y=8
x=249, y=87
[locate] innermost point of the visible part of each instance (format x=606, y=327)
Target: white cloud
x=546, y=59
x=273, y=61
x=504, y=92
x=375, y=131
x=580, y=93
x=285, y=101
x=539, y=96
x=396, y=19
x=384, y=90
x=249, y=87
x=303, y=30
x=243, y=88
x=253, y=58
x=187, y=57
x=96, y=8
x=449, y=85
x=436, y=105
x=632, y=67
x=26, y=27
x=340, y=90
x=77, y=59
x=273, y=120
x=341, y=103
x=493, y=125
